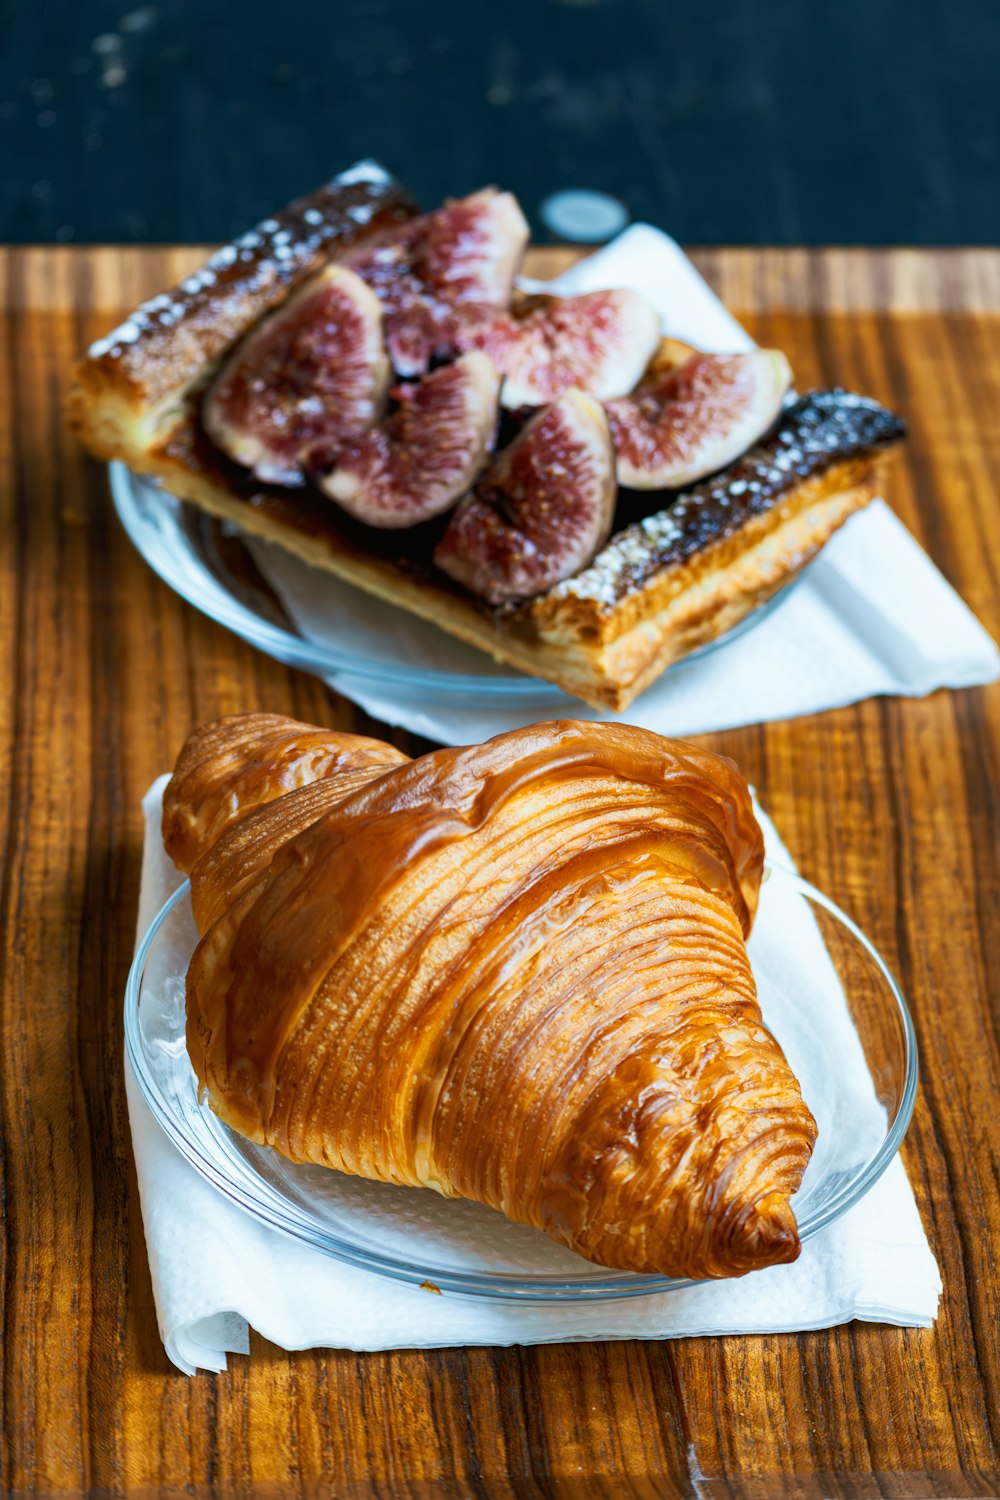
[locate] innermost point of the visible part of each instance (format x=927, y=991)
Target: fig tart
x=548, y=479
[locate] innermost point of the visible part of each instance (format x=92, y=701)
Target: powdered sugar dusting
x=602, y=581
x=223, y=257
x=275, y=250
x=817, y=431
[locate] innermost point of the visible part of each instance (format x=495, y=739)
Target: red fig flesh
x=443, y=270
x=542, y=510
x=689, y=418
x=314, y=370
x=600, y=342
x=425, y=455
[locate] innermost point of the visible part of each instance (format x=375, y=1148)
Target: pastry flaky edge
x=603, y=637
x=534, y=994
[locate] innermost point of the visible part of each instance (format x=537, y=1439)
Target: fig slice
x=426, y=453
x=443, y=270
x=315, y=369
x=694, y=413
x=600, y=342
x=542, y=510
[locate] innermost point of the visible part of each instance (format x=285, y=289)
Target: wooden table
x=892, y=807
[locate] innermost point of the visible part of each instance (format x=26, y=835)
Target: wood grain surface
x=890, y=806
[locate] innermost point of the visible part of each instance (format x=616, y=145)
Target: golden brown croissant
x=514, y=973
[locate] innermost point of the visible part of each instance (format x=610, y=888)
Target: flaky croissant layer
x=514, y=973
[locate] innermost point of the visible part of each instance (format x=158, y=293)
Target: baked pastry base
x=674, y=614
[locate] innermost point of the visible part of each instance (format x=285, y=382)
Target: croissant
x=514, y=972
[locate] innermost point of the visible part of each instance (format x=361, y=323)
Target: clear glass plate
x=208, y=564
x=825, y=992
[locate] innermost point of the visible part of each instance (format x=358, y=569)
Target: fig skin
x=315, y=369
x=442, y=271
x=600, y=343
x=424, y=456
x=542, y=510
x=693, y=413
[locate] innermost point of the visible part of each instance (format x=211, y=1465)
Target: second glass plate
x=824, y=990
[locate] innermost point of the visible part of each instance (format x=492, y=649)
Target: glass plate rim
x=326, y=661
x=269, y=1208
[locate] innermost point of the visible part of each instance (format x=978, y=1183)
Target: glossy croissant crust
x=514, y=973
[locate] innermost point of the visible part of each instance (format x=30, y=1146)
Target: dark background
x=742, y=121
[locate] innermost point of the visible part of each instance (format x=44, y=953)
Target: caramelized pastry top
x=173, y=340
x=820, y=429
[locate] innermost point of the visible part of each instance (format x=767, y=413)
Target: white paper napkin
x=216, y=1271
x=872, y=615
